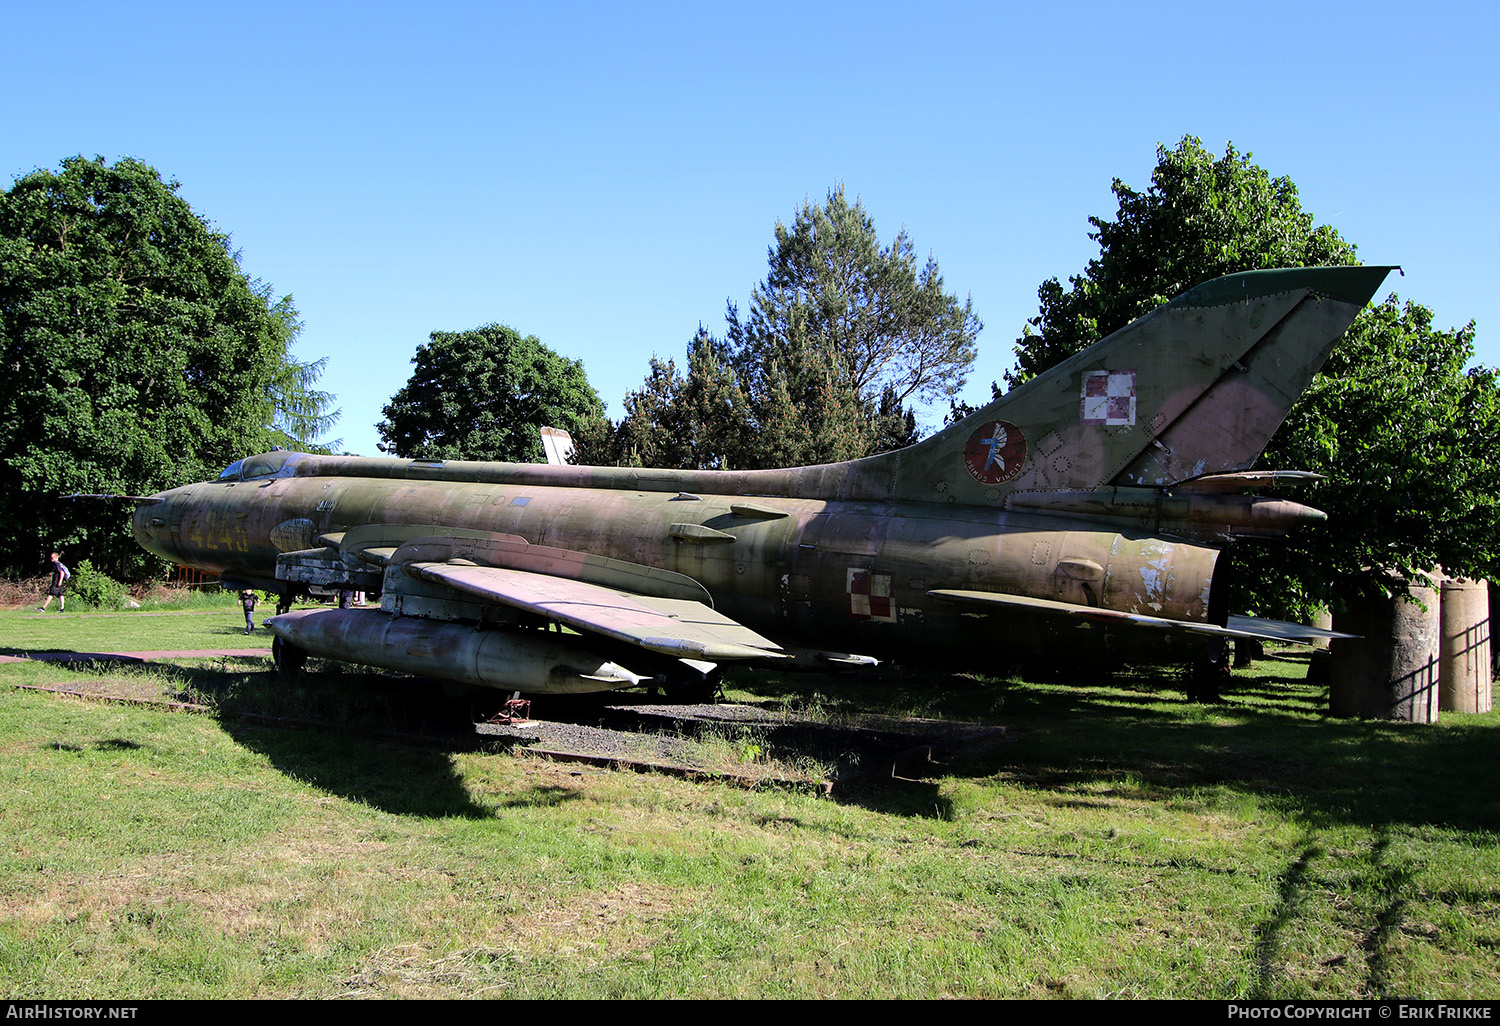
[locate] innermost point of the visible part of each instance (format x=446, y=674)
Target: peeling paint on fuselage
x=1155, y=560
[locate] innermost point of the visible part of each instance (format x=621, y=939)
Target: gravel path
x=737, y=740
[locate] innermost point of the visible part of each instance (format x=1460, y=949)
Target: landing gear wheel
x=1209, y=673
x=289, y=659
x=693, y=689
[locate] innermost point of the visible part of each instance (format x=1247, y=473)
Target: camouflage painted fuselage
x=850, y=573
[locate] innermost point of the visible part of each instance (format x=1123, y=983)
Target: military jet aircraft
x=1085, y=509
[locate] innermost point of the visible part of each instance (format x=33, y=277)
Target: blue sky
x=606, y=176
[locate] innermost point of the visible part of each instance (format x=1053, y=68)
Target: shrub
x=96, y=588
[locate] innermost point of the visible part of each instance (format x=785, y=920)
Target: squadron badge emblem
x=996, y=452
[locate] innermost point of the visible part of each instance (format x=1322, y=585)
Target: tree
x=140, y=356
x=1394, y=422
x=1201, y=218
x=839, y=338
x=300, y=409
x=1402, y=434
x=484, y=395
x=697, y=421
x=831, y=289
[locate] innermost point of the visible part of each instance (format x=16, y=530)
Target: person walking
x=60, y=575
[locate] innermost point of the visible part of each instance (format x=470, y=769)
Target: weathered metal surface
x=516, y=660
x=1092, y=487
x=1464, y=669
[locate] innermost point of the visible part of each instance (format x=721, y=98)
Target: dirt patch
x=625, y=920
x=629, y=918
x=415, y=971
x=131, y=688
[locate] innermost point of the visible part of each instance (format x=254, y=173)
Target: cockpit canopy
x=264, y=467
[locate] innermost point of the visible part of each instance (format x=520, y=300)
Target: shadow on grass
x=349, y=750
x=393, y=776
x=1291, y=890
x=1133, y=733
x=334, y=731
x=1130, y=734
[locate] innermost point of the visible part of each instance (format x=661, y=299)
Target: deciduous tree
x=1403, y=434
x=1398, y=426
x=1200, y=218
x=484, y=395
x=139, y=356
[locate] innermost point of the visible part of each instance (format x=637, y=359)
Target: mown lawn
x=1119, y=842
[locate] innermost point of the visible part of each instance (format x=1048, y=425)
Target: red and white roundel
x=996, y=452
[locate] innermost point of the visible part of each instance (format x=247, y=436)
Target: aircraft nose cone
x=151, y=525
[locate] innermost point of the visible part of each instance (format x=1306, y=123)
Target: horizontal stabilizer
x=1239, y=626
x=1282, y=630
x=1209, y=514
x=1222, y=483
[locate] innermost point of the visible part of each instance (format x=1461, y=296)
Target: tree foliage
x=674, y=420
x=832, y=291
x=1396, y=424
x=838, y=340
x=300, y=412
x=484, y=395
x=140, y=357
x=1201, y=218
x=1402, y=433
x=706, y=419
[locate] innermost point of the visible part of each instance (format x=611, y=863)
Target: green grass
x=1119, y=843
x=80, y=630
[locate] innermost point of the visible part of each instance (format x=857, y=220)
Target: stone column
x=1391, y=670
x=1464, y=678
x=1324, y=619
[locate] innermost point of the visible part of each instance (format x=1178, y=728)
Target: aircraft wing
x=677, y=627
x=654, y=609
x=1238, y=627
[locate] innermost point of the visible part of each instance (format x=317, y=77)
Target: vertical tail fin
x=1195, y=387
